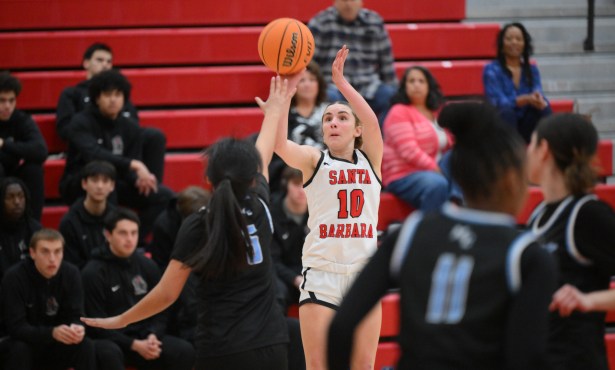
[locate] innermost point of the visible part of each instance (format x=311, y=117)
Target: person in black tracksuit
x=101, y=133
x=474, y=290
x=22, y=147
x=97, y=58
x=42, y=302
x=16, y=224
x=578, y=229
x=228, y=246
x=114, y=280
x=82, y=226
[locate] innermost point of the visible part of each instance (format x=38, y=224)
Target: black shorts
x=273, y=357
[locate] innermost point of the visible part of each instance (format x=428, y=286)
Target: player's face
x=295, y=192
x=47, y=256
x=98, y=187
x=417, y=87
x=14, y=202
x=514, y=43
x=123, y=239
x=348, y=9
x=339, y=127
x=8, y=101
x=100, y=61
x=110, y=103
x=307, y=88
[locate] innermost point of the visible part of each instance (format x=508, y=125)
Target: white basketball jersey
x=343, y=200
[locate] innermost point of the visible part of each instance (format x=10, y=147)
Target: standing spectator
x=117, y=278
x=43, y=300
x=413, y=166
x=512, y=83
x=22, y=147
x=97, y=58
x=102, y=133
x=16, y=224
x=474, y=290
x=82, y=226
x=578, y=230
x=370, y=67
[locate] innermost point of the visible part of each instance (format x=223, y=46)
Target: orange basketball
x=286, y=45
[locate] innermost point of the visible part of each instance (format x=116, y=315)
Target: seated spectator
x=304, y=119
x=43, y=301
x=115, y=279
x=22, y=147
x=369, y=67
x=82, y=226
x=413, y=166
x=168, y=222
x=101, y=133
x=512, y=84
x=16, y=223
x=97, y=58
x=289, y=214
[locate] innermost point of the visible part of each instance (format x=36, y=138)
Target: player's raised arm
x=372, y=137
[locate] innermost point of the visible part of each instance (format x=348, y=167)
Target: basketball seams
x=281, y=46
x=299, y=52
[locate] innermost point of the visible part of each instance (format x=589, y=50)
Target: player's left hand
x=568, y=299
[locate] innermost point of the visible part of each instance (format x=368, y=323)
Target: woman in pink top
x=413, y=166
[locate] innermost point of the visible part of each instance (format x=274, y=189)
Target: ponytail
x=226, y=248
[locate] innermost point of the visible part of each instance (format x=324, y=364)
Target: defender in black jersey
x=227, y=245
x=474, y=290
x=577, y=229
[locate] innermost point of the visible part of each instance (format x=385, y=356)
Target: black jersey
x=580, y=233
x=241, y=313
x=474, y=292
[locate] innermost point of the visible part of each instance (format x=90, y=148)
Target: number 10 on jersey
x=352, y=204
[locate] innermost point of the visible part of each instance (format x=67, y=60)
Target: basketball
x=286, y=45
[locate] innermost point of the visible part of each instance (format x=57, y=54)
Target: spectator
x=82, y=225
x=290, y=214
x=304, y=119
x=43, y=300
x=102, y=133
x=22, y=147
x=413, y=166
x=182, y=315
x=168, y=222
x=512, y=83
x=16, y=224
x=98, y=58
x=370, y=67
x=114, y=280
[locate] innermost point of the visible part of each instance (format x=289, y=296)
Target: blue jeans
x=380, y=104
x=524, y=119
x=427, y=190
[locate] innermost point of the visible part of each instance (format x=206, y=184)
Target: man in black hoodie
x=82, y=226
x=22, y=147
x=42, y=303
x=114, y=280
x=100, y=132
x=97, y=58
x=16, y=224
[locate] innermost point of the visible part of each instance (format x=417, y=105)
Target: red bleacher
x=207, y=45
x=69, y=14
